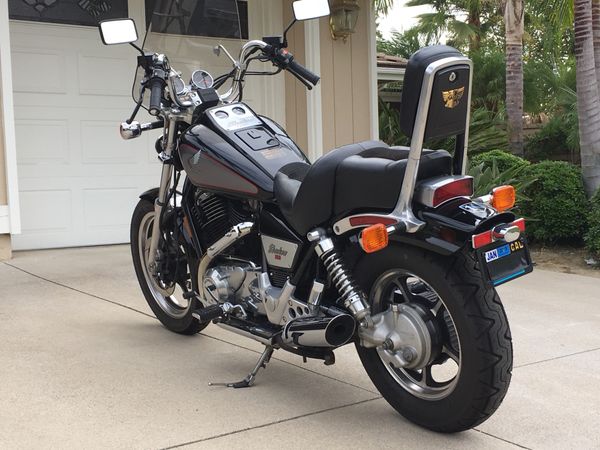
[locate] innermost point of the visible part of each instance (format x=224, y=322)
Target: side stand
x=249, y=380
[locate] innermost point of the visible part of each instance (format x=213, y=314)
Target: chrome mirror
x=118, y=31
x=310, y=9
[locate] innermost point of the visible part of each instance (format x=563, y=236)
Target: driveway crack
x=276, y=422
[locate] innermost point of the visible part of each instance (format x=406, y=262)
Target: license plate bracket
x=502, y=262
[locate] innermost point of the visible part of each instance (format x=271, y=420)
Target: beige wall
x=5, y=246
x=345, y=90
x=295, y=92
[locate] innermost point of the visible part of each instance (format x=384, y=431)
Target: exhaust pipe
x=319, y=331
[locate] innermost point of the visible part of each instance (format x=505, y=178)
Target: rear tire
x=484, y=357
x=174, y=314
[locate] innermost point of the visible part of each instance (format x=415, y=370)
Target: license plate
x=502, y=262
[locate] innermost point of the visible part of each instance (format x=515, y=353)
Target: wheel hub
x=405, y=335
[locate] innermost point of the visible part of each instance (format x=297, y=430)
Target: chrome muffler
x=319, y=331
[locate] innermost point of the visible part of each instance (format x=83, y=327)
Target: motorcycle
x=383, y=247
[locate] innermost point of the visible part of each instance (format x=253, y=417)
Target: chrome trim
x=425, y=190
x=506, y=232
x=130, y=130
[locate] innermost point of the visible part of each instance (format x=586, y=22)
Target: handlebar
x=298, y=69
x=157, y=85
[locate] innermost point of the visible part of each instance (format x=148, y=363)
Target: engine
x=235, y=282
x=214, y=215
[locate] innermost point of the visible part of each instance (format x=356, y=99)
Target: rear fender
x=449, y=227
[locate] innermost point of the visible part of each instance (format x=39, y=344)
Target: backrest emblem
x=452, y=97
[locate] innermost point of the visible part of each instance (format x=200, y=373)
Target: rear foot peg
x=265, y=357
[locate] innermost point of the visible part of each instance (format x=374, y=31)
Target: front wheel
x=167, y=290
x=467, y=371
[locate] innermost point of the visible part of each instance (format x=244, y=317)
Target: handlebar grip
x=303, y=72
x=156, y=91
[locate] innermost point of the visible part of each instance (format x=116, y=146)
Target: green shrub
x=592, y=237
x=504, y=160
x=556, y=201
x=554, y=140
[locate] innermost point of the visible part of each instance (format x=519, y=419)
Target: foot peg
x=209, y=313
x=265, y=357
x=212, y=312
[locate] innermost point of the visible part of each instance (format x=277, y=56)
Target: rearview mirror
x=118, y=31
x=310, y=9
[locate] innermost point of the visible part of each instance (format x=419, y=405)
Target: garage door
x=78, y=180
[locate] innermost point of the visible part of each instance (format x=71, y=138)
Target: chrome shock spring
x=350, y=293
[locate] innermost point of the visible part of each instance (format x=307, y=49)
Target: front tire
x=167, y=302
x=472, y=333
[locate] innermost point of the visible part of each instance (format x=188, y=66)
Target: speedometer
x=201, y=79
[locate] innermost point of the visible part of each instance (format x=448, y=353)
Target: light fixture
x=343, y=18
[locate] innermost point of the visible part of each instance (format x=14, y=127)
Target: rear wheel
x=168, y=290
x=467, y=374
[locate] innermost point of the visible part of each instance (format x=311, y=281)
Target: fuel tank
x=234, y=151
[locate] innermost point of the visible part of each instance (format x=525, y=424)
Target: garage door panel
x=27, y=64
x=109, y=208
x=42, y=141
x=93, y=70
x=100, y=144
x=44, y=211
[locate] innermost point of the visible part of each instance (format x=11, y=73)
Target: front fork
x=163, y=190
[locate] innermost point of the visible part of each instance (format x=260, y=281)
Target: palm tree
x=513, y=17
x=588, y=98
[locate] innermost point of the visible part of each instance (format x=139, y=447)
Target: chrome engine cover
x=235, y=282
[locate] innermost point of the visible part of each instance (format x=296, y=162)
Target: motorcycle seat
x=364, y=176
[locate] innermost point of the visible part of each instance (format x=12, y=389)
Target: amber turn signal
x=374, y=238
x=504, y=197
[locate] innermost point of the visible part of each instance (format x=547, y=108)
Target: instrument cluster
x=200, y=79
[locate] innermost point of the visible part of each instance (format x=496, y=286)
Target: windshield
x=187, y=32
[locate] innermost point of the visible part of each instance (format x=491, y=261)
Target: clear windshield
x=187, y=32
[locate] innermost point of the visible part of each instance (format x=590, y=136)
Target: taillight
x=435, y=191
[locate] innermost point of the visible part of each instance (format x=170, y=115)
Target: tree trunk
x=588, y=99
x=596, y=32
x=513, y=16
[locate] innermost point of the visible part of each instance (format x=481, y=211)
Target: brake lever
x=138, y=105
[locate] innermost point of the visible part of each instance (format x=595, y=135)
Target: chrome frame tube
x=403, y=210
x=163, y=190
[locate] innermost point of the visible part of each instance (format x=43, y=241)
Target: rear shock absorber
x=350, y=293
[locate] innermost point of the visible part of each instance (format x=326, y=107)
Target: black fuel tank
x=235, y=151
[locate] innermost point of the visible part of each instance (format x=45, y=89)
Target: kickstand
x=249, y=380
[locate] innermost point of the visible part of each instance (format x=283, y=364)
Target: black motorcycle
x=384, y=247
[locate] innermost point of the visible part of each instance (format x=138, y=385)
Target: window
x=74, y=12
x=211, y=18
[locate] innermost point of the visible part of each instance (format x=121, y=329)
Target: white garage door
x=78, y=180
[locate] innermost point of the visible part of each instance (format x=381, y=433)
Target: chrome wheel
x=169, y=297
x=436, y=378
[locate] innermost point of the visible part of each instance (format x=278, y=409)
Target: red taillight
x=486, y=238
x=462, y=187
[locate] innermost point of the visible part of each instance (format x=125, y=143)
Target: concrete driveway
x=83, y=364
